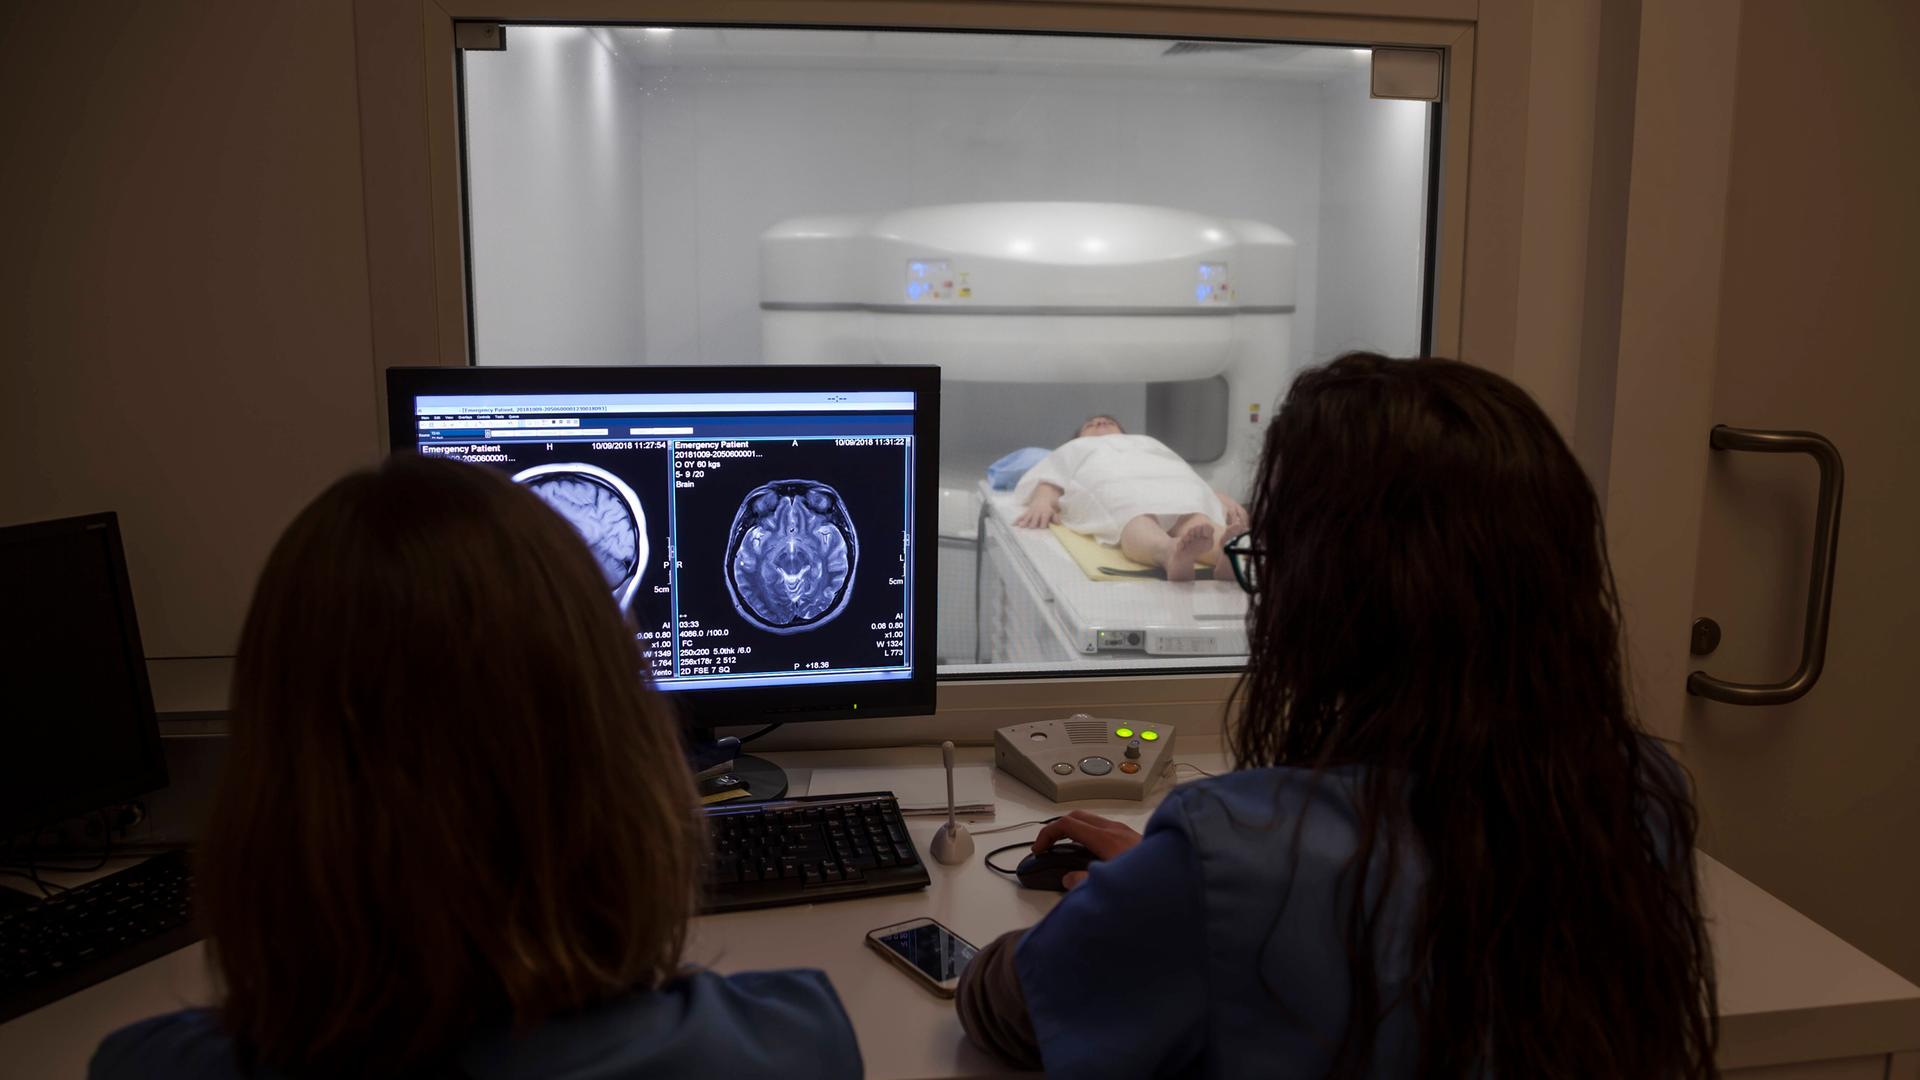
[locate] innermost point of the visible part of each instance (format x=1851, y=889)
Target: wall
x=556, y=150
x=1550, y=319
x=184, y=294
x=1373, y=204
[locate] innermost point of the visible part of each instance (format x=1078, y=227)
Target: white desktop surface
x=1790, y=991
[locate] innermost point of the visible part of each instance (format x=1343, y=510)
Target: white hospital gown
x=1111, y=479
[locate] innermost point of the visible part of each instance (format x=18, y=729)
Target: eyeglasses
x=1245, y=558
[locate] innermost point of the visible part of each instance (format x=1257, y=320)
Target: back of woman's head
x=449, y=801
x=1434, y=602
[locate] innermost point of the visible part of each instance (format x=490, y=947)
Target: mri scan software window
x=750, y=538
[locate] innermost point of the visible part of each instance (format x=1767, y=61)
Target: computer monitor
x=77, y=727
x=769, y=531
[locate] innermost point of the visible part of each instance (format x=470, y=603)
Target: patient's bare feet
x=1187, y=549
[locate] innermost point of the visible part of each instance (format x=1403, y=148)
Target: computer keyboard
x=92, y=932
x=808, y=850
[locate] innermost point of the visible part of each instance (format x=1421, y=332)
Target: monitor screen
x=77, y=728
x=760, y=527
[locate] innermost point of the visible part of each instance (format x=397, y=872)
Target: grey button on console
x=1095, y=766
x=1063, y=768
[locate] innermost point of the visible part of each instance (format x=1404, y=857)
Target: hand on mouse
x=1104, y=837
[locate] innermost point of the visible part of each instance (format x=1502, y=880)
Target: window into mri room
x=1160, y=230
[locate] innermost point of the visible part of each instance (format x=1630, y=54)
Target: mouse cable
x=768, y=730
x=1015, y=825
x=988, y=858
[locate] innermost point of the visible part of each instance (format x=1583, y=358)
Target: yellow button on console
x=1125, y=732
x=1149, y=735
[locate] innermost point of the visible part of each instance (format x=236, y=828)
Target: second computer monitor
x=768, y=531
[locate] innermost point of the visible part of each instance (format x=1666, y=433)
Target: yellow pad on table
x=1103, y=562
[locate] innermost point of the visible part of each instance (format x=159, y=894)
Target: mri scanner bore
x=791, y=556
x=606, y=512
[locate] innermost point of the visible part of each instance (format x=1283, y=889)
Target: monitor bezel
x=94, y=790
x=733, y=707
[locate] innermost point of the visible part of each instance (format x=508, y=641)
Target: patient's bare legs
x=1192, y=539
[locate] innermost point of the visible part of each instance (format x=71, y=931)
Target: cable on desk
x=34, y=877
x=13, y=861
x=1015, y=825
x=988, y=858
x=768, y=730
x=46, y=887
x=1194, y=767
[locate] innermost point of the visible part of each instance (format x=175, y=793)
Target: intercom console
x=1085, y=757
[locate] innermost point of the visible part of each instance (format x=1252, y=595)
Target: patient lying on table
x=1131, y=491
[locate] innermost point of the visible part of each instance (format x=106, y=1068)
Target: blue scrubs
x=1180, y=959
x=755, y=1025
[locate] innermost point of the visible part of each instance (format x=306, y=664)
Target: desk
x=1796, y=1001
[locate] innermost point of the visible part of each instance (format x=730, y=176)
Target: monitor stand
x=713, y=757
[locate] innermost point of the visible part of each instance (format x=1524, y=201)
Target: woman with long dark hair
x=455, y=835
x=1447, y=848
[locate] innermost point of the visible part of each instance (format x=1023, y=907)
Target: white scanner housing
x=1026, y=292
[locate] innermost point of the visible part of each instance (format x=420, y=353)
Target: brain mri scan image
x=607, y=513
x=791, y=556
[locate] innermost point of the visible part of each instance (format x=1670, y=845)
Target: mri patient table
x=1035, y=605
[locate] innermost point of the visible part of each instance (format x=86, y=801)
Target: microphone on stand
x=952, y=844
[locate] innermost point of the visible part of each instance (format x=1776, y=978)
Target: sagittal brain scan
x=791, y=556
x=607, y=513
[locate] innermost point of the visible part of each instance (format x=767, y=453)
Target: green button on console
x=1149, y=735
x=1125, y=732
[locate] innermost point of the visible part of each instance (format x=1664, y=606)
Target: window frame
x=417, y=220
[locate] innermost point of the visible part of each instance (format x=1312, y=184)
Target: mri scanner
x=1198, y=308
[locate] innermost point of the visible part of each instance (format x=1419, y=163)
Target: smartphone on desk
x=929, y=953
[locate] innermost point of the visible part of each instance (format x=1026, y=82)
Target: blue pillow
x=1002, y=475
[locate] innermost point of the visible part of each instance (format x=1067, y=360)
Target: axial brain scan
x=606, y=513
x=791, y=556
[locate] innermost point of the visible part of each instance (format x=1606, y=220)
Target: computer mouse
x=1044, y=869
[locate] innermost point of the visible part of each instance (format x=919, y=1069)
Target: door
x=1817, y=801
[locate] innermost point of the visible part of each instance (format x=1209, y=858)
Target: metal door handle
x=1826, y=540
